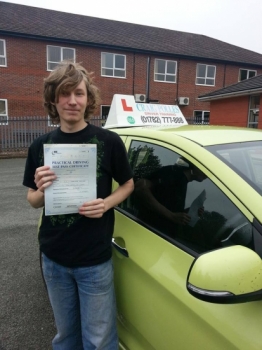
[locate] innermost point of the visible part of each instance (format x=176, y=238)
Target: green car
x=188, y=241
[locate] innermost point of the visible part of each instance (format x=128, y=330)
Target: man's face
x=71, y=105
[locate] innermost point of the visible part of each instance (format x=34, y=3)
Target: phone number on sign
x=166, y=120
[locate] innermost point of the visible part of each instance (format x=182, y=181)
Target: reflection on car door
x=155, y=311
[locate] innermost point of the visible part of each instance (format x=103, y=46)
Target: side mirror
x=226, y=276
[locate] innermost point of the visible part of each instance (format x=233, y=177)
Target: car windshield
x=245, y=158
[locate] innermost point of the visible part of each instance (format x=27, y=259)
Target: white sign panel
x=124, y=111
x=75, y=168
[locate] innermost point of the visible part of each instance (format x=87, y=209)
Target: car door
x=155, y=310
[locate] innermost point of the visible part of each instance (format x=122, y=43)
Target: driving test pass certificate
x=75, y=168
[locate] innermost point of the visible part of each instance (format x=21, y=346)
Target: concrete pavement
x=26, y=320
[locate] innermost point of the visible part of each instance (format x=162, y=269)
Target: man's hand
x=93, y=209
x=201, y=211
x=97, y=207
x=181, y=218
x=44, y=177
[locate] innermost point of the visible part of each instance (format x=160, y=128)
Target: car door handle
x=119, y=248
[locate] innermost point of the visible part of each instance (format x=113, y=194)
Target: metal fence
x=18, y=133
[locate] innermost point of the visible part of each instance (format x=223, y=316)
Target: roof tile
x=61, y=26
x=244, y=86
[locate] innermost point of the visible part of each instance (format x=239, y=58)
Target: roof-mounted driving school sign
x=124, y=112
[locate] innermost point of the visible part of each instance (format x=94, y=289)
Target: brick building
x=237, y=104
x=153, y=64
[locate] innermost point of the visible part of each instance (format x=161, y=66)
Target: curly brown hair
x=66, y=77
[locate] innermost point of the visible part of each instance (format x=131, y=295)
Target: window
x=244, y=158
x=56, y=54
x=104, y=114
x=205, y=74
x=3, y=112
x=2, y=53
x=253, y=111
x=201, y=117
x=161, y=177
x=104, y=111
x=113, y=65
x=165, y=71
x=246, y=74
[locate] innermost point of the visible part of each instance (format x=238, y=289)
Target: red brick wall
x=232, y=73
x=169, y=93
x=21, y=82
x=91, y=60
x=230, y=111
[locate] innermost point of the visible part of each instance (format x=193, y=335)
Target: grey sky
x=236, y=22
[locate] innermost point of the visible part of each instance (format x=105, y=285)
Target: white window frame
x=205, y=77
x=253, y=111
x=4, y=114
x=61, y=55
x=202, y=118
x=113, y=68
x=248, y=73
x=4, y=55
x=166, y=73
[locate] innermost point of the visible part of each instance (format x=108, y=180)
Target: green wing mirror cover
x=235, y=269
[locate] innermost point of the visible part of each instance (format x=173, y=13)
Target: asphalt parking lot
x=26, y=320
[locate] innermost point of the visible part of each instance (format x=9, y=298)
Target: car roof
x=204, y=135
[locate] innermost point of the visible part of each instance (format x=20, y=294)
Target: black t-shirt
x=74, y=240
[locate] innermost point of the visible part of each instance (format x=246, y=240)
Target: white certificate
x=197, y=203
x=75, y=168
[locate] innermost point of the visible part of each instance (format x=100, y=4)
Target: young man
x=76, y=248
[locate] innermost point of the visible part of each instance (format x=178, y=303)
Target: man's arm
x=36, y=198
x=44, y=177
x=97, y=207
x=143, y=191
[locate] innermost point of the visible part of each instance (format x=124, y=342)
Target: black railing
x=17, y=134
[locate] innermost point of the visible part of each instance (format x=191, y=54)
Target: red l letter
x=125, y=107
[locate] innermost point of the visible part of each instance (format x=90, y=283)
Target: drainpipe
x=177, y=81
x=224, y=78
x=147, y=79
x=134, y=67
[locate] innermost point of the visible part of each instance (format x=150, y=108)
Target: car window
x=166, y=186
x=244, y=158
